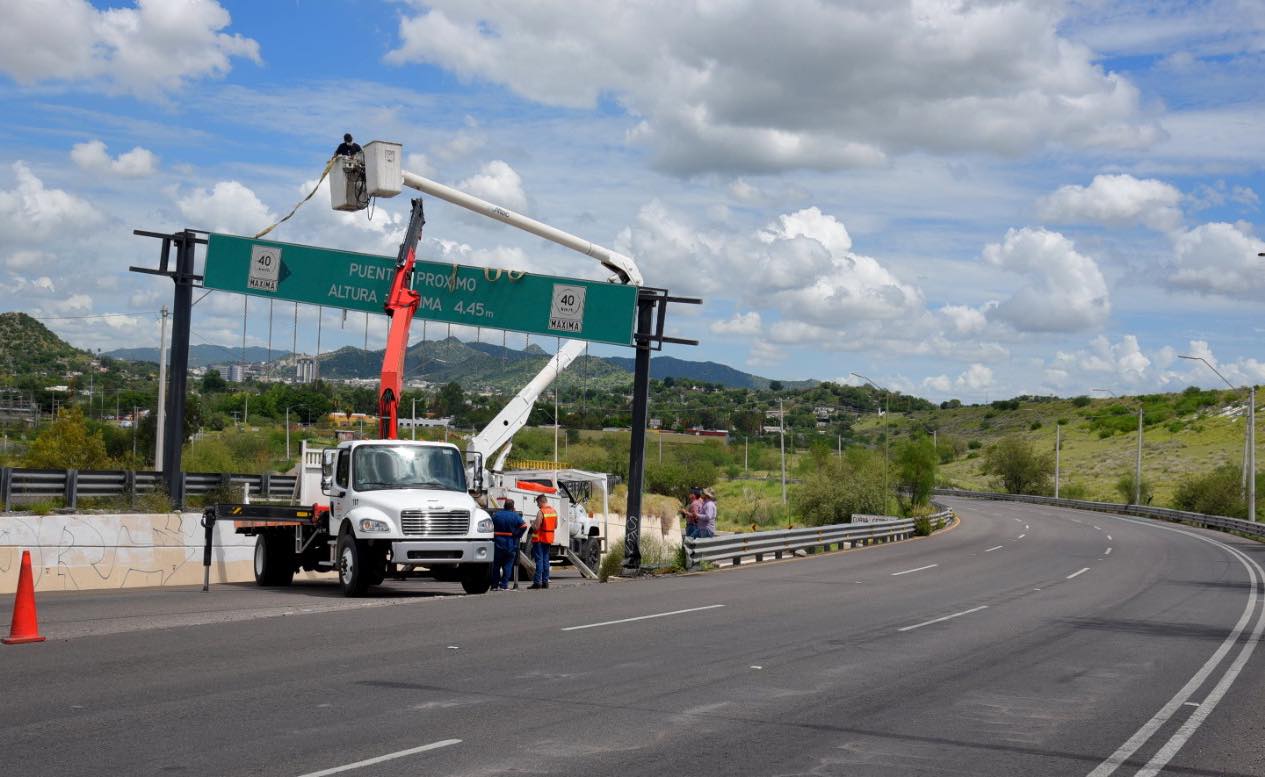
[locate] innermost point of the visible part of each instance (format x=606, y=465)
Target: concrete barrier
x=87, y=552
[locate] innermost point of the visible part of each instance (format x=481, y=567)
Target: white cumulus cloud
x=975, y=378
x=1064, y=290
x=1220, y=258
x=498, y=183
x=732, y=87
x=742, y=324
x=151, y=48
x=31, y=212
x=1116, y=200
x=228, y=206
x=93, y=157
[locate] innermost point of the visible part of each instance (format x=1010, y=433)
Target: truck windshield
x=407, y=466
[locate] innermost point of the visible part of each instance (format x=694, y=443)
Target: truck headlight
x=485, y=525
x=370, y=525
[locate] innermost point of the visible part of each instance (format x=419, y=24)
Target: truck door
x=340, y=498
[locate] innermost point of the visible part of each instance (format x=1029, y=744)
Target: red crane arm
x=401, y=304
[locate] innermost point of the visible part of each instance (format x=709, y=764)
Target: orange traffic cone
x=24, y=628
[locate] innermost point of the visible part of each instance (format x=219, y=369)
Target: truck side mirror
x=474, y=462
x=329, y=458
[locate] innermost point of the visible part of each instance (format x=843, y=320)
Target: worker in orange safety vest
x=542, y=534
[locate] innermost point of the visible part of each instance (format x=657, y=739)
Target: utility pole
x=134, y=425
x=1058, y=440
x=744, y=454
x=287, y=434
x=161, y=410
x=840, y=442
x=1137, y=467
x=781, y=421
x=414, y=418
x=659, y=434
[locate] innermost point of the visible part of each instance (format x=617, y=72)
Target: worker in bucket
x=348, y=147
x=507, y=525
x=542, y=528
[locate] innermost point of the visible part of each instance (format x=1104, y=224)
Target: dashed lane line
x=942, y=619
x=642, y=617
x=382, y=758
x=1078, y=573
x=995, y=547
x=915, y=569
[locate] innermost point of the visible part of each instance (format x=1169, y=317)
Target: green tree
x=67, y=444
x=839, y=489
x=916, y=462
x=213, y=382
x=1018, y=468
x=1218, y=492
x=450, y=400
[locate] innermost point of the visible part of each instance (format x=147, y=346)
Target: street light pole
x=1249, y=454
x=781, y=420
x=1058, y=444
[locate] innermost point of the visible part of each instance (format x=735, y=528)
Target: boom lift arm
x=401, y=304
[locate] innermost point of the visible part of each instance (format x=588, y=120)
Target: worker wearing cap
x=707, y=515
x=348, y=147
x=543, y=527
x=507, y=524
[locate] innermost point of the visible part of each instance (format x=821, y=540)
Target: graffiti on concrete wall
x=82, y=552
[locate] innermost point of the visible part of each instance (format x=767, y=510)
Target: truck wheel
x=274, y=559
x=476, y=578
x=351, y=566
x=591, y=554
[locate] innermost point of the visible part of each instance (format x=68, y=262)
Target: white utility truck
x=395, y=506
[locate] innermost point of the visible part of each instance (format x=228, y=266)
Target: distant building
x=304, y=370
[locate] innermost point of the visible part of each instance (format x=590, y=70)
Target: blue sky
x=959, y=199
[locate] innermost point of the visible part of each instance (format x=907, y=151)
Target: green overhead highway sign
x=474, y=296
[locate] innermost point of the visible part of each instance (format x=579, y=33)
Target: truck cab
x=401, y=503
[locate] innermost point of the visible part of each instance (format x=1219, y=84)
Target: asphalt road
x=1026, y=641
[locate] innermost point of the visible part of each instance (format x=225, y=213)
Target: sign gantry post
x=185, y=242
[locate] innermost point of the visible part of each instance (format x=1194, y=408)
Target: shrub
x=975, y=445
x=1175, y=426
x=1035, y=425
x=611, y=564
x=1215, y=493
x=1125, y=488
x=922, y=527
x=155, y=501
x=841, y=488
x=66, y=443
x=1073, y=491
x=1081, y=401
x=1018, y=468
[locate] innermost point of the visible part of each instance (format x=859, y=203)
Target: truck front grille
x=446, y=523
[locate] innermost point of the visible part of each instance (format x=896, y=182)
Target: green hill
x=1186, y=433
x=27, y=347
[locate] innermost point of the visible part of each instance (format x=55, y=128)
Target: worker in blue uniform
x=508, y=525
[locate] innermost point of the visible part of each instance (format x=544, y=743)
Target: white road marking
x=1078, y=573
x=916, y=569
x=1108, y=537
x=1021, y=536
x=381, y=758
x=945, y=618
x=642, y=617
x=995, y=547
x=1108, y=553
x=1175, y=743
x=1097, y=528
x=1026, y=527
x=1020, y=520
x=1191, y=704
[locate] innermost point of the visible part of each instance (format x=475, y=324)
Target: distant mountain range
x=476, y=365
x=203, y=355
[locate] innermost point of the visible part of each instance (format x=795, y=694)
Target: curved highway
x=1024, y=641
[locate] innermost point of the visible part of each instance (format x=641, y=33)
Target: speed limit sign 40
x=265, y=268
x=566, y=313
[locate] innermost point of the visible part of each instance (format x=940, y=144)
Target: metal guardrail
x=809, y=539
x=1219, y=522
x=24, y=486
